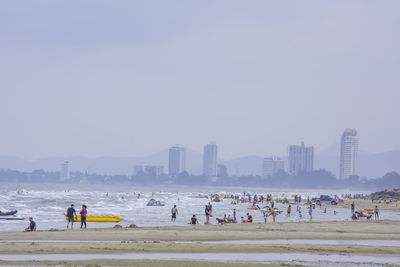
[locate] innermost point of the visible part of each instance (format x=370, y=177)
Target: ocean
x=47, y=203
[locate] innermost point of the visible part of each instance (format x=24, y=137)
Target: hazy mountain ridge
x=370, y=165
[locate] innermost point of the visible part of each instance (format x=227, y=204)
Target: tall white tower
x=64, y=172
x=177, y=160
x=301, y=158
x=210, y=159
x=348, y=153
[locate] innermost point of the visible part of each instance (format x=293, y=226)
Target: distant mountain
x=102, y=165
x=369, y=165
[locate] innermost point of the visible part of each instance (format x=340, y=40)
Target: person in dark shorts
x=70, y=215
x=174, y=212
x=83, y=213
x=194, y=220
x=32, y=225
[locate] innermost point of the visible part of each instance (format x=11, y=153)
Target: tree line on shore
x=318, y=179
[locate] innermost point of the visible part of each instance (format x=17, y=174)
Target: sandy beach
x=161, y=240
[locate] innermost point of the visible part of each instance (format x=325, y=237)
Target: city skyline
x=372, y=165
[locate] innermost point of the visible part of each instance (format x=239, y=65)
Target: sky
x=130, y=78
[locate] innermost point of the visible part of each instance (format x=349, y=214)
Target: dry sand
x=147, y=240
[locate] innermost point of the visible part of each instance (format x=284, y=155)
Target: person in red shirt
x=83, y=213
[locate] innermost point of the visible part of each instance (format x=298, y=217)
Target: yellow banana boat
x=98, y=218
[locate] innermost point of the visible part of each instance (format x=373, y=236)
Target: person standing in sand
x=209, y=207
x=70, y=214
x=310, y=212
x=83, y=213
x=174, y=212
x=376, y=212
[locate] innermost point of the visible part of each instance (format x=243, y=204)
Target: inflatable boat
x=98, y=218
x=153, y=202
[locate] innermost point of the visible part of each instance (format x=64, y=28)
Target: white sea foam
x=47, y=204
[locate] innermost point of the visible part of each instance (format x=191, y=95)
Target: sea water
x=47, y=203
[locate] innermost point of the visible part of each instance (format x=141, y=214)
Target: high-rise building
x=177, y=159
x=210, y=159
x=64, y=172
x=272, y=165
x=301, y=158
x=348, y=153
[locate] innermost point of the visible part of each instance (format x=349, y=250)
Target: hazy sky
x=129, y=78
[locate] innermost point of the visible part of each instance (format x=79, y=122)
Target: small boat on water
x=153, y=202
x=98, y=218
x=8, y=213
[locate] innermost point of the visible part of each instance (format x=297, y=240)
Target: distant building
x=272, y=165
x=65, y=172
x=177, y=160
x=210, y=159
x=301, y=158
x=154, y=170
x=348, y=153
x=137, y=169
x=222, y=170
x=151, y=170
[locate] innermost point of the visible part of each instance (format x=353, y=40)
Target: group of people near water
x=367, y=213
x=270, y=210
x=71, y=216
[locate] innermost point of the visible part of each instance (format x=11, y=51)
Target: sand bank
x=147, y=240
x=384, y=230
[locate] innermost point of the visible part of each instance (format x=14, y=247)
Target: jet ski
x=8, y=213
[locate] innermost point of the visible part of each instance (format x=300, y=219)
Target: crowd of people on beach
x=255, y=201
x=271, y=210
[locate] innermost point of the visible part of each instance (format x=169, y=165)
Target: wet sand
x=368, y=204
x=147, y=240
